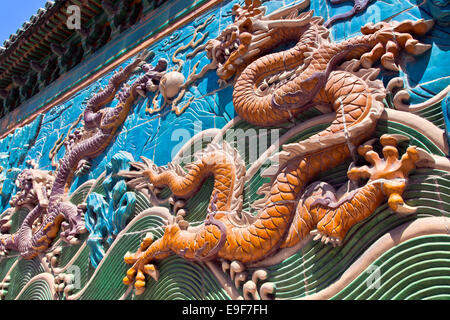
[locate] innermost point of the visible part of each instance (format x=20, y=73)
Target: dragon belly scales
x=42, y=224
x=271, y=89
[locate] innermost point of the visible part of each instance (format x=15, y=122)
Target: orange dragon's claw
x=368, y=59
x=127, y=281
x=387, y=177
x=388, y=61
x=129, y=278
x=140, y=276
x=389, y=38
x=326, y=239
x=362, y=150
x=130, y=258
x=137, y=274
x=390, y=171
x=139, y=285
x=151, y=270
x=148, y=240
x=409, y=159
x=356, y=174
x=131, y=273
x=395, y=200
x=397, y=204
x=392, y=139
x=366, y=150
x=390, y=154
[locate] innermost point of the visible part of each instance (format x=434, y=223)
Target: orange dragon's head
x=251, y=35
x=229, y=49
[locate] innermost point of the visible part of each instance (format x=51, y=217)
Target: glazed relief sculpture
x=53, y=210
x=34, y=187
x=107, y=215
x=270, y=90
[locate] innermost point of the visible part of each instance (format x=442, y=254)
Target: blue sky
x=13, y=13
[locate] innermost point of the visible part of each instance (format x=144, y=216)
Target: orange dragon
x=271, y=89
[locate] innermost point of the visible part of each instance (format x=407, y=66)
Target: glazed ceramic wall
x=415, y=268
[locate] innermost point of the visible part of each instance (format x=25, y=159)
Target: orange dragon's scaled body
x=271, y=89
